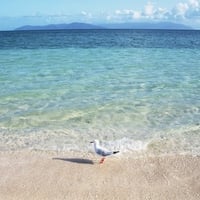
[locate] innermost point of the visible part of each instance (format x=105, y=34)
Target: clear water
x=134, y=89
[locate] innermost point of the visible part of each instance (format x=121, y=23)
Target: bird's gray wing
x=103, y=152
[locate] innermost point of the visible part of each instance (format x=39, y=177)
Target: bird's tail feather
x=114, y=152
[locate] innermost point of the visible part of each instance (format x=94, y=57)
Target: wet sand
x=49, y=175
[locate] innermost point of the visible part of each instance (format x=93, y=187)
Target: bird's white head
x=96, y=142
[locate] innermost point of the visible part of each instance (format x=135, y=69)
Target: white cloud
x=128, y=12
x=189, y=10
x=118, y=12
x=137, y=15
x=194, y=3
x=181, y=9
x=149, y=9
x=185, y=11
x=86, y=14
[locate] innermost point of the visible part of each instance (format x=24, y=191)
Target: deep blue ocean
x=135, y=89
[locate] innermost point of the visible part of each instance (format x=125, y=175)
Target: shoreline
x=74, y=175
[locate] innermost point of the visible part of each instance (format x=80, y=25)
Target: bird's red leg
x=102, y=160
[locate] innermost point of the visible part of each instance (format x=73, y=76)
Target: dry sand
x=45, y=175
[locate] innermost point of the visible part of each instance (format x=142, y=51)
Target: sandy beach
x=50, y=175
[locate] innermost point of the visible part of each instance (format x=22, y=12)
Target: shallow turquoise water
x=134, y=97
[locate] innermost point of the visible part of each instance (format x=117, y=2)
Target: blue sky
x=15, y=13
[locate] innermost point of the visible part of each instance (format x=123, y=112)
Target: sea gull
x=102, y=151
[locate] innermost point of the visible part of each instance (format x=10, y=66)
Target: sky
x=15, y=13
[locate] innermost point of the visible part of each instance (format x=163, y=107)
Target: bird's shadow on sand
x=76, y=160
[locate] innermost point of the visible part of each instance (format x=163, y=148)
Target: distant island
x=77, y=25
x=74, y=25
